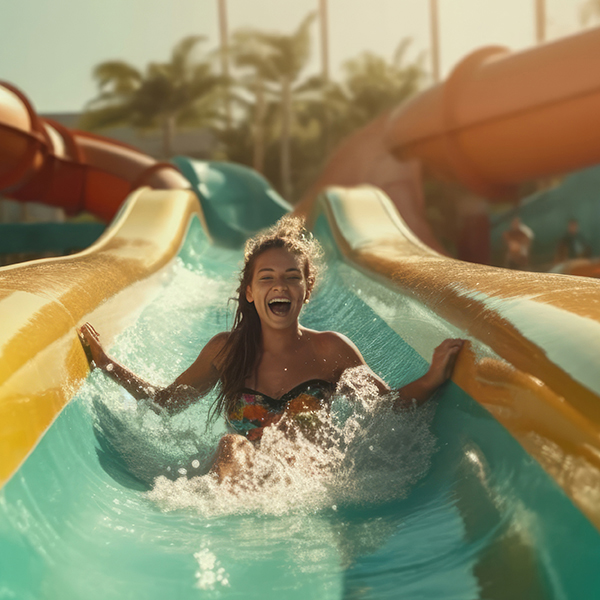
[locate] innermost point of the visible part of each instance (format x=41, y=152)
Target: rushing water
x=116, y=502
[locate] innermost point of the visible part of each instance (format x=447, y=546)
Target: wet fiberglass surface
x=436, y=503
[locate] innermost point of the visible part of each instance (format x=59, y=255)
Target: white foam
x=364, y=453
x=209, y=572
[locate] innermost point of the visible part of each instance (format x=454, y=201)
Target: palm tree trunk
x=168, y=135
x=225, y=58
x=286, y=127
x=540, y=21
x=434, y=20
x=324, y=40
x=258, y=159
x=323, y=18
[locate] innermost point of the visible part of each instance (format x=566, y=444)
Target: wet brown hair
x=241, y=353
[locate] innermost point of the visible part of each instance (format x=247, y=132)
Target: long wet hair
x=241, y=353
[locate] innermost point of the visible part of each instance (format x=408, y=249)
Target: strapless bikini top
x=255, y=409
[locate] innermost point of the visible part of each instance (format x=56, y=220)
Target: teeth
x=279, y=300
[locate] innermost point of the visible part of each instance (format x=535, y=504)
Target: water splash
x=209, y=572
x=363, y=452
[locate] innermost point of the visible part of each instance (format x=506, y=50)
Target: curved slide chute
x=529, y=363
x=43, y=301
x=236, y=200
x=535, y=338
x=504, y=118
x=499, y=120
x=42, y=161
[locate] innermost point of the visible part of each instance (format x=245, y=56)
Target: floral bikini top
x=255, y=410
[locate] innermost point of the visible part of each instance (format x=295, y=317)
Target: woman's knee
x=231, y=442
x=234, y=455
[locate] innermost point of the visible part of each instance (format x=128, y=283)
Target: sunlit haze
x=50, y=48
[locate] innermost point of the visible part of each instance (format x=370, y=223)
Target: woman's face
x=278, y=288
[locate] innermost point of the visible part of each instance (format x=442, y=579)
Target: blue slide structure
x=489, y=491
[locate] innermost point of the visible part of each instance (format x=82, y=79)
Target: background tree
x=254, y=95
x=271, y=65
x=276, y=111
x=372, y=85
x=179, y=92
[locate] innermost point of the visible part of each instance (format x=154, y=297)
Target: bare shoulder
x=203, y=372
x=332, y=340
x=213, y=347
x=216, y=343
x=337, y=349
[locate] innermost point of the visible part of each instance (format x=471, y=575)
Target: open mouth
x=280, y=306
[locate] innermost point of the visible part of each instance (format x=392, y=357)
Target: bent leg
x=234, y=457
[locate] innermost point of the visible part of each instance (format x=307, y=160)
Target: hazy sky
x=49, y=47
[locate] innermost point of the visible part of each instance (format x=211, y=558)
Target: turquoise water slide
x=444, y=502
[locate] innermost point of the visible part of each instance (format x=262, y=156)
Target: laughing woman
x=270, y=371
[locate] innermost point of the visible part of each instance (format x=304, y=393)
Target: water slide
x=500, y=119
x=496, y=491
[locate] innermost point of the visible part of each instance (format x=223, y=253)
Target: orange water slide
x=503, y=118
x=499, y=119
x=42, y=161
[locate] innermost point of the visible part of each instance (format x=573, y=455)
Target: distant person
x=573, y=244
x=517, y=241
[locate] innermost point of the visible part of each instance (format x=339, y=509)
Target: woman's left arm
x=418, y=391
x=440, y=371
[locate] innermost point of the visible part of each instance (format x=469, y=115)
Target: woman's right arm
x=193, y=383
x=196, y=381
x=346, y=355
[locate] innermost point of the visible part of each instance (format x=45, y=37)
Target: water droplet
x=110, y=367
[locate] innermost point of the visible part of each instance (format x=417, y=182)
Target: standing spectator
x=573, y=244
x=517, y=241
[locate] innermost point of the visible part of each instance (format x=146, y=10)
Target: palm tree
x=179, y=92
x=252, y=58
x=372, y=85
x=275, y=63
